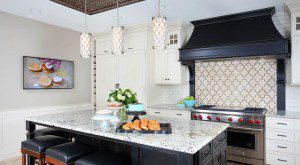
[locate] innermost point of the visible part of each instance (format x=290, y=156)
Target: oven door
x=246, y=142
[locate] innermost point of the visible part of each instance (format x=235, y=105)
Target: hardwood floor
x=12, y=161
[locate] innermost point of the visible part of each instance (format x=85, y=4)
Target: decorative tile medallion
x=94, y=6
x=247, y=82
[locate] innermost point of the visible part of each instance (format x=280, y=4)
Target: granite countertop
x=169, y=107
x=283, y=114
x=187, y=136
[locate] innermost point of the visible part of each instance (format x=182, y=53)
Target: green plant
x=189, y=98
x=124, y=96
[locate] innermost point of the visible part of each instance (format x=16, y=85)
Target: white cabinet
x=293, y=8
x=174, y=39
x=126, y=69
x=132, y=73
x=295, y=60
x=177, y=114
x=282, y=141
x=135, y=41
x=103, y=46
x=168, y=69
x=106, y=77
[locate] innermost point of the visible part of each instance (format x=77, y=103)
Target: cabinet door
x=173, y=39
x=295, y=60
x=132, y=72
x=103, y=46
x=161, y=66
x=134, y=41
x=106, y=77
x=174, y=67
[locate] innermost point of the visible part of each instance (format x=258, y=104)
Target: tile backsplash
x=247, y=82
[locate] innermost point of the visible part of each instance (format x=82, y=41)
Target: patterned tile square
x=237, y=82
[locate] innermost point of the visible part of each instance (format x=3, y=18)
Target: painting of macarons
x=46, y=73
x=57, y=80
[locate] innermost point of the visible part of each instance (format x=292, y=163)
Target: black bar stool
x=36, y=147
x=68, y=153
x=104, y=158
x=52, y=131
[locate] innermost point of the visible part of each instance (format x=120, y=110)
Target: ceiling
x=94, y=6
x=137, y=13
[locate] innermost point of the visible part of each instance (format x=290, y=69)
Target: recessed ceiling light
x=160, y=7
x=35, y=11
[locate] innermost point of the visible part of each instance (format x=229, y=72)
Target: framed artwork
x=47, y=73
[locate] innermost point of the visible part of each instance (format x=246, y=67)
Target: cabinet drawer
x=170, y=113
x=283, y=147
x=273, y=158
x=278, y=123
x=280, y=135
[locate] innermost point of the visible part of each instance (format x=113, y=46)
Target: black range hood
x=238, y=35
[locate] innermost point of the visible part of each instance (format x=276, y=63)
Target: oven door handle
x=248, y=129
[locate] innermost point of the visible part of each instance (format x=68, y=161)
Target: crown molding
x=292, y=6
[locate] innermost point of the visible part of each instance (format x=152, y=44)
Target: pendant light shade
x=117, y=36
x=85, y=40
x=159, y=24
x=117, y=39
x=86, y=45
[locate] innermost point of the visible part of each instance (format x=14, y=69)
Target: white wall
x=21, y=36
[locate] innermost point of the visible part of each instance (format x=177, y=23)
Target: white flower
x=129, y=95
x=112, y=98
x=119, y=96
x=123, y=98
x=122, y=91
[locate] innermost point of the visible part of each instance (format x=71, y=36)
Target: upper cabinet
x=132, y=41
x=168, y=68
x=135, y=41
x=293, y=8
x=103, y=46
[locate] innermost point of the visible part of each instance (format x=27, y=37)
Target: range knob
x=195, y=116
x=208, y=117
x=240, y=120
x=251, y=121
x=230, y=119
x=200, y=117
x=218, y=118
x=258, y=121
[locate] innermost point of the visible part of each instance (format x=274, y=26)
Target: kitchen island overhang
x=189, y=143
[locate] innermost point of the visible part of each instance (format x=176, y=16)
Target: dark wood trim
x=263, y=48
x=30, y=127
x=32, y=156
x=281, y=82
x=55, y=161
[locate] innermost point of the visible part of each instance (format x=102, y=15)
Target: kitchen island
x=191, y=142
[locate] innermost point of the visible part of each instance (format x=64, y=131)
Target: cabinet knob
x=129, y=48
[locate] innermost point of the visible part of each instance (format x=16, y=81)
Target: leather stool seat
x=51, y=131
x=40, y=144
x=104, y=158
x=67, y=153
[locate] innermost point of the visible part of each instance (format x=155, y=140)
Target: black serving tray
x=165, y=129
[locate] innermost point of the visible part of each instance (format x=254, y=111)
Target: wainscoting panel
x=12, y=125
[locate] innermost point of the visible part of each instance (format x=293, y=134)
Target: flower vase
x=122, y=114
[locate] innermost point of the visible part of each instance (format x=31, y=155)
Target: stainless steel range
x=245, y=136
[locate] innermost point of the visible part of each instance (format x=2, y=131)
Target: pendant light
x=159, y=24
x=85, y=39
x=117, y=35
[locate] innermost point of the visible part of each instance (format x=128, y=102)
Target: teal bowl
x=189, y=103
x=180, y=106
